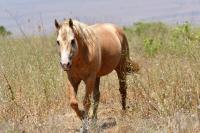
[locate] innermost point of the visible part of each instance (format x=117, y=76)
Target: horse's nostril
x=65, y=66
x=68, y=64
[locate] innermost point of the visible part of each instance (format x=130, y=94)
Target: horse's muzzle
x=66, y=67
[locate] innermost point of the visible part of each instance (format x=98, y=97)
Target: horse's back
x=110, y=41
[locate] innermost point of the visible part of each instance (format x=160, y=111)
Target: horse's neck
x=83, y=46
x=82, y=55
x=80, y=36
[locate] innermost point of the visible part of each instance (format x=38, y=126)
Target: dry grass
x=163, y=97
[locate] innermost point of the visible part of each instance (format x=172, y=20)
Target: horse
x=88, y=52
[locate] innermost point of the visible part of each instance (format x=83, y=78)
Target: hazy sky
x=29, y=14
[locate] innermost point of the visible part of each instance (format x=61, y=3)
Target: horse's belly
x=108, y=66
x=110, y=57
x=110, y=48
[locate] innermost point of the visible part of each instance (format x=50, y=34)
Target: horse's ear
x=71, y=23
x=57, y=25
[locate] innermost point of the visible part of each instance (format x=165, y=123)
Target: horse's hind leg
x=121, y=73
x=96, y=96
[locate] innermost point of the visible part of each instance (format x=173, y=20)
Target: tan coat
x=102, y=48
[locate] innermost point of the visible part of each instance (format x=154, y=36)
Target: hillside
x=124, y=12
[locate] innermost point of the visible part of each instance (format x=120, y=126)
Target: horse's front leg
x=96, y=97
x=90, y=84
x=73, y=87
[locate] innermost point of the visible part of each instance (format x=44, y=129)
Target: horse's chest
x=79, y=72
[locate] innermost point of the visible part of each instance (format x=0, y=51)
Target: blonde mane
x=84, y=32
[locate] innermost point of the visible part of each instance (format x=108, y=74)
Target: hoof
x=94, y=121
x=83, y=130
x=85, y=127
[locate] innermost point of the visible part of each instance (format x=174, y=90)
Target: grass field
x=163, y=97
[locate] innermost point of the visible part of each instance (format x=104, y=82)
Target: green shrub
x=151, y=46
x=145, y=29
x=4, y=32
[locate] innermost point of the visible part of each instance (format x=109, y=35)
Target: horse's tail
x=131, y=66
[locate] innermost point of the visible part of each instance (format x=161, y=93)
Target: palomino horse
x=89, y=52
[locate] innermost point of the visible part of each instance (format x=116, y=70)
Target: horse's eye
x=58, y=42
x=72, y=41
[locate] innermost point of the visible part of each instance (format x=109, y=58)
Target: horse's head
x=67, y=43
